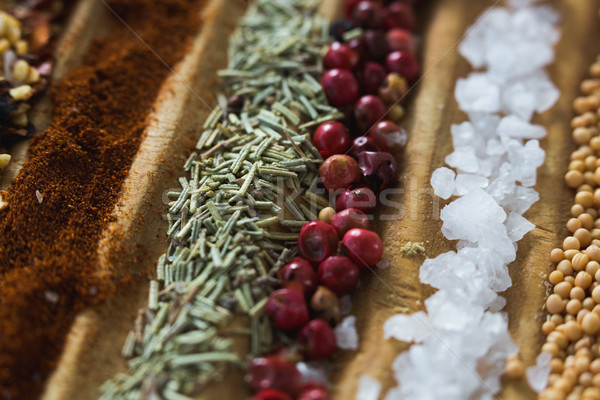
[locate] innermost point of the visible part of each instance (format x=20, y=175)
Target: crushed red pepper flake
x=100, y=112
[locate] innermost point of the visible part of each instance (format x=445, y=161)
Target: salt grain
x=368, y=388
x=39, y=196
x=462, y=340
x=383, y=263
x=346, y=334
x=442, y=181
x=537, y=376
x=478, y=93
x=313, y=372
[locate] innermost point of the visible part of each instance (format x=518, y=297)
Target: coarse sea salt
x=368, y=388
x=346, y=334
x=461, y=341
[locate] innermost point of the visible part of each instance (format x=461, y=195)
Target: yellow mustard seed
x=554, y=304
x=326, y=214
x=557, y=255
x=591, y=323
x=571, y=243
x=556, y=277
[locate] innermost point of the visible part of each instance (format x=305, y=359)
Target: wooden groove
x=134, y=241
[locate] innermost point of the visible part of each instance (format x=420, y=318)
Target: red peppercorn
x=368, y=110
x=363, y=143
x=339, y=171
x=367, y=14
x=348, y=219
x=398, y=15
x=359, y=46
x=317, y=340
x=317, y=241
x=349, y=7
x=399, y=39
x=376, y=43
x=340, y=87
x=388, y=136
x=371, y=77
x=378, y=168
x=274, y=373
x=271, y=394
x=340, y=55
x=298, y=274
x=361, y=198
x=338, y=274
x=314, y=394
x=364, y=247
x=311, y=385
x=331, y=138
x=287, y=308
x=403, y=63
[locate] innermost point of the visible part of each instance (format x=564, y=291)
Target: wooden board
x=132, y=244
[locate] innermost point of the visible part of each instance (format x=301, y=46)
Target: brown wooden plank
x=134, y=242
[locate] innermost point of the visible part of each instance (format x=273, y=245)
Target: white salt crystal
x=525, y=160
x=368, y=388
x=473, y=46
x=463, y=134
x=444, y=314
x=463, y=159
x=537, y=375
x=534, y=92
x=408, y=328
x=516, y=99
x=517, y=226
x=471, y=216
x=383, y=264
x=485, y=124
x=515, y=127
x=313, y=372
x=478, y=93
x=442, y=181
x=510, y=60
x=494, y=147
x=346, y=334
x=467, y=182
x=39, y=196
x=521, y=199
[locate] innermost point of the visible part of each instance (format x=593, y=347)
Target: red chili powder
x=48, y=261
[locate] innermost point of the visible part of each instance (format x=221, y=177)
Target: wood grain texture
x=132, y=244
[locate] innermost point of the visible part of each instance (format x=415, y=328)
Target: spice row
x=65, y=194
x=461, y=340
x=572, y=327
x=27, y=36
x=257, y=186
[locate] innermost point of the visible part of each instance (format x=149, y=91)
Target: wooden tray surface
x=133, y=243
